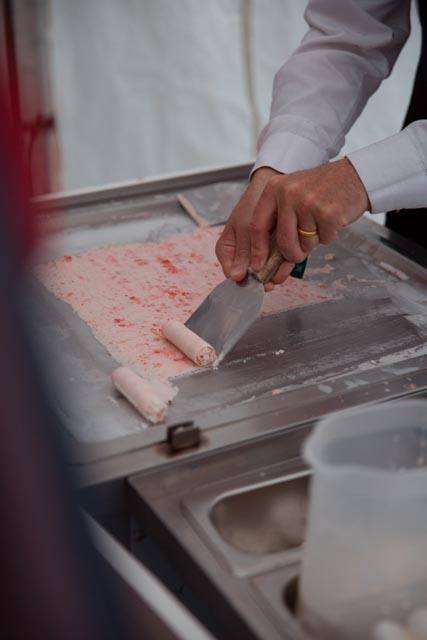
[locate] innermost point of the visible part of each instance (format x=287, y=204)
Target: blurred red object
x=53, y=584
x=21, y=217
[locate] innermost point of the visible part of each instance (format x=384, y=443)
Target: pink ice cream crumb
x=126, y=292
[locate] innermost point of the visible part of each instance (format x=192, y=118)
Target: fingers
x=283, y=273
x=286, y=203
x=225, y=249
x=307, y=222
x=263, y=221
x=308, y=244
x=328, y=229
x=287, y=236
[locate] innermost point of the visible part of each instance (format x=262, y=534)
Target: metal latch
x=183, y=436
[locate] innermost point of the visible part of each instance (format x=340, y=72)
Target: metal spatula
x=230, y=309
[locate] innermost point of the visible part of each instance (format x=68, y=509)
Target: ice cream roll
x=194, y=347
x=150, y=397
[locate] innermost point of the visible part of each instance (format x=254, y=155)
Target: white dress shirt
x=351, y=46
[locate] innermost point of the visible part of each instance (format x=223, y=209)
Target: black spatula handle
x=273, y=263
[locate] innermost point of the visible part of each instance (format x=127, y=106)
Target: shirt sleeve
x=351, y=46
x=394, y=170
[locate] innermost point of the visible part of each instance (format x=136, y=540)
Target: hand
x=233, y=248
x=324, y=199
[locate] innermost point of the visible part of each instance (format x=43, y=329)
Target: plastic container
x=417, y=623
x=365, y=557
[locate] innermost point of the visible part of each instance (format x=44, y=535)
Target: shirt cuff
x=287, y=152
x=392, y=173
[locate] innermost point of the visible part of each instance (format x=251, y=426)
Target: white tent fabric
x=147, y=87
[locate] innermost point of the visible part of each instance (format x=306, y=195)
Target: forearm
x=321, y=90
x=394, y=170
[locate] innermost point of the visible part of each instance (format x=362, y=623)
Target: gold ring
x=306, y=234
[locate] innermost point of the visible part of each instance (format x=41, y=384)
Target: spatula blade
x=227, y=313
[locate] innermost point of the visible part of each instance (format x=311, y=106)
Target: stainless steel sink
x=257, y=529
x=279, y=592
x=265, y=519
x=240, y=515
x=232, y=521
x=252, y=526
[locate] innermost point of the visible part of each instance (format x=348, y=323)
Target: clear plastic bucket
x=365, y=557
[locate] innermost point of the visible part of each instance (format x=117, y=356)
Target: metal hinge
x=183, y=436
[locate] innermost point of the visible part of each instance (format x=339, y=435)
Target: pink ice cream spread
x=126, y=292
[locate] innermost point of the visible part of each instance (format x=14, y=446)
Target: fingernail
x=256, y=264
x=226, y=269
x=236, y=273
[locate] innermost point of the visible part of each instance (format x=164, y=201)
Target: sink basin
x=279, y=591
x=266, y=519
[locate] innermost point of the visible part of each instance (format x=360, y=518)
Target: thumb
x=262, y=223
x=242, y=253
x=225, y=249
